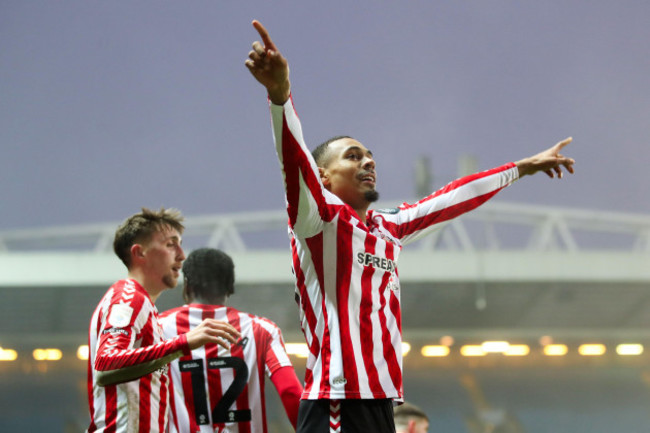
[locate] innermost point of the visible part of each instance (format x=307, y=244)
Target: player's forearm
x=126, y=374
x=114, y=358
x=289, y=389
x=303, y=188
x=451, y=201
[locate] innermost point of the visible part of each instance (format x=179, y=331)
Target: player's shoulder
x=264, y=323
x=173, y=312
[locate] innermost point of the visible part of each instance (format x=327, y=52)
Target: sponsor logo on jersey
x=339, y=381
x=392, y=210
x=367, y=259
x=115, y=331
x=120, y=315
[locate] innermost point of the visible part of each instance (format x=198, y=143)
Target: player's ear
x=137, y=251
x=411, y=427
x=324, y=176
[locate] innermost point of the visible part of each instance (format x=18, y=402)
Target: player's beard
x=371, y=196
x=170, y=281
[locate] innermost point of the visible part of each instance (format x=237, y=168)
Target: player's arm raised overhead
x=309, y=204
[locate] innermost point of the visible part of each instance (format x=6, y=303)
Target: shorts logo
x=120, y=315
x=367, y=259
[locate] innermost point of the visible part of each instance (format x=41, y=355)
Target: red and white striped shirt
x=124, y=332
x=347, y=283
x=223, y=389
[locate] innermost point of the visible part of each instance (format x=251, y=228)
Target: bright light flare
x=517, y=350
x=472, y=350
x=592, y=349
x=629, y=349
x=299, y=350
x=47, y=354
x=8, y=354
x=435, y=351
x=556, y=349
x=83, y=352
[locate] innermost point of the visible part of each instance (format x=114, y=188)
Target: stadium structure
x=516, y=318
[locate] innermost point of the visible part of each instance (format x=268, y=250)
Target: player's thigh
x=362, y=416
x=313, y=416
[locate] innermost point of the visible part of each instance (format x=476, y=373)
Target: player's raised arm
x=549, y=161
x=269, y=67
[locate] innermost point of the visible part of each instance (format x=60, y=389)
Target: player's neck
x=152, y=289
x=203, y=301
x=361, y=210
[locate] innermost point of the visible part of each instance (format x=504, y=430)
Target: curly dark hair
x=209, y=275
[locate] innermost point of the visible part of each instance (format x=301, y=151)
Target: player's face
x=350, y=172
x=164, y=257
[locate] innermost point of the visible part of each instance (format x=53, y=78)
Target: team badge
x=120, y=315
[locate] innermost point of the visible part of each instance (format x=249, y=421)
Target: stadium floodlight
x=299, y=350
x=47, y=354
x=83, y=352
x=472, y=350
x=517, y=350
x=628, y=349
x=435, y=351
x=592, y=349
x=555, y=350
x=495, y=346
x=8, y=354
x=406, y=348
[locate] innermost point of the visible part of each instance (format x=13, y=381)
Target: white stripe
x=354, y=307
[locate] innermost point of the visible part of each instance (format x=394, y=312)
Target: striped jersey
x=222, y=390
x=124, y=331
x=346, y=275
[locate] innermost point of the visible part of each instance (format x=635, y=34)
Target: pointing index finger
x=264, y=34
x=564, y=142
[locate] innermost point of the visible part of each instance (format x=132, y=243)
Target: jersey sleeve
x=309, y=204
x=123, y=324
x=410, y=222
x=275, y=354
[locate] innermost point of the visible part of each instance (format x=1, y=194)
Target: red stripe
x=214, y=382
x=265, y=356
x=365, y=322
x=296, y=161
x=390, y=354
x=309, y=315
x=110, y=393
x=238, y=351
x=182, y=327
x=343, y=276
x=315, y=245
x=145, y=383
x=164, y=399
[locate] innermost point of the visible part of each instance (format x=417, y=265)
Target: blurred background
x=530, y=314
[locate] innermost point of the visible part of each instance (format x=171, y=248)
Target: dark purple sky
x=107, y=106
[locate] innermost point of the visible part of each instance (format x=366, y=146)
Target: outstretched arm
x=549, y=161
x=269, y=67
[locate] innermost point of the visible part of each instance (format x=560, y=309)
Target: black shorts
x=346, y=416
